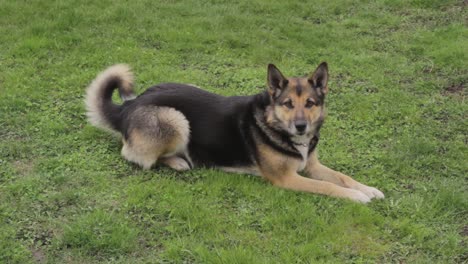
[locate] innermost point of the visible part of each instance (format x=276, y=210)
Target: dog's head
x=297, y=104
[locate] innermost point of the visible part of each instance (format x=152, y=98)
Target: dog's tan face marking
x=298, y=103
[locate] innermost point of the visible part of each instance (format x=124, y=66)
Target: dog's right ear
x=319, y=78
x=276, y=81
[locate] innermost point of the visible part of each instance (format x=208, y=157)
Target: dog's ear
x=276, y=81
x=319, y=78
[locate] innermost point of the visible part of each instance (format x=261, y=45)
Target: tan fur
x=316, y=170
x=281, y=171
x=164, y=133
x=141, y=149
x=253, y=170
x=176, y=163
x=286, y=116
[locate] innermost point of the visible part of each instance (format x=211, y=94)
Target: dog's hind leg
x=156, y=133
x=140, y=150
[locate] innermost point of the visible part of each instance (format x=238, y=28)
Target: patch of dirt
x=464, y=231
x=38, y=255
x=23, y=167
x=409, y=187
x=455, y=89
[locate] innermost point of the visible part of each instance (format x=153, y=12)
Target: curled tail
x=101, y=111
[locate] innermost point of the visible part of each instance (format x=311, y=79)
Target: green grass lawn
x=397, y=120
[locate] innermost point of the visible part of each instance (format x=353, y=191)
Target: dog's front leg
x=314, y=169
x=294, y=181
x=281, y=171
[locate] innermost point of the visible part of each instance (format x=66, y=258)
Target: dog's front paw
x=356, y=196
x=371, y=192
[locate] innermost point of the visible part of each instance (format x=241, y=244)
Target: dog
x=273, y=134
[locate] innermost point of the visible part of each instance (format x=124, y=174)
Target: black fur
x=298, y=89
x=110, y=110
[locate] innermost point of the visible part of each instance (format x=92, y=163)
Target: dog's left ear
x=319, y=78
x=276, y=81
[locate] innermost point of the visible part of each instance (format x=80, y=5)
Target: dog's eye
x=309, y=103
x=288, y=104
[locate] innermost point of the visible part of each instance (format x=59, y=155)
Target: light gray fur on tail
x=95, y=93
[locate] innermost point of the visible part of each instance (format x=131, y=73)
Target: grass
x=397, y=120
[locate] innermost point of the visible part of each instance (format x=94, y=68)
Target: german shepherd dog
x=273, y=134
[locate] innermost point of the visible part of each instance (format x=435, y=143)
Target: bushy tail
x=101, y=111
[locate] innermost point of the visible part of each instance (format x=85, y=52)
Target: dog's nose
x=300, y=126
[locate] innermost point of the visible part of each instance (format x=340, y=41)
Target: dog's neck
x=291, y=145
x=301, y=140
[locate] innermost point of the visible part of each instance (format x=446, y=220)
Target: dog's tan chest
x=303, y=149
x=301, y=144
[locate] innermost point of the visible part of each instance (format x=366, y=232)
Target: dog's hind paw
x=176, y=163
